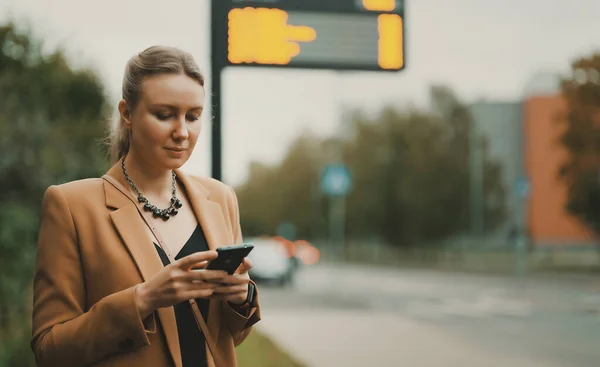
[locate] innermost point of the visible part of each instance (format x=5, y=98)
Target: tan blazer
x=93, y=249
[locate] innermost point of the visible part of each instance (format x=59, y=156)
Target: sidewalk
x=332, y=338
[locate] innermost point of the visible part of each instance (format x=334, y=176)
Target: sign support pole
x=216, y=132
x=218, y=61
x=522, y=238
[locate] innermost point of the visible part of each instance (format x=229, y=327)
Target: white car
x=271, y=262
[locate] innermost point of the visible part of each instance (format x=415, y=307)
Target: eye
x=193, y=118
x=163, y=116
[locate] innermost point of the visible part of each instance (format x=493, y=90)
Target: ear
x=125, y=113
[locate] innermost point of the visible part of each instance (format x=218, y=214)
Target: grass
x=259, y=351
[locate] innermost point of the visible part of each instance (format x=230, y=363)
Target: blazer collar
x=136, y=237
x=207, y=212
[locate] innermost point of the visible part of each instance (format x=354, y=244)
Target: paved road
x=357, y=315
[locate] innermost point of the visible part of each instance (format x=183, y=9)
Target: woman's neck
x=151, y=182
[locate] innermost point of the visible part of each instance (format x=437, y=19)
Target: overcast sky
x=481, y=48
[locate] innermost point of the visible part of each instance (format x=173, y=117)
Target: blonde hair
x=154, y=60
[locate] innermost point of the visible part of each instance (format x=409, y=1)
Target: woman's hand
x=178, y=282
x=234, y=288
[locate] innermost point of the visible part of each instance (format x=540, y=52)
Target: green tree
x=50, y=132
x=581, y=137
x=285, y=192
x=411, y=178
x=412, y=174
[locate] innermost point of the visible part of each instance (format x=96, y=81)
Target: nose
x=181, y=131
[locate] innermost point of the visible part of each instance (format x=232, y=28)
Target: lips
x=176, y=149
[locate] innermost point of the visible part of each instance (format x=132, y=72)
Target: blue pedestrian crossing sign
x=336, y=180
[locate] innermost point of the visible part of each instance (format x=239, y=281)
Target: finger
x=197, y=293
x=206, y=275
x=245, y=266
x=231, y=289
x=236, y=279
x=200, y=265
x=198, y=257
x=199, y=284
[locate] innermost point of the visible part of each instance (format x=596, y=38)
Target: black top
x=191, y=339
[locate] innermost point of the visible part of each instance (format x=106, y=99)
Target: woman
x=120, y=257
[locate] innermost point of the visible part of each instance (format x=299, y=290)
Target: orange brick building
x=548, y=221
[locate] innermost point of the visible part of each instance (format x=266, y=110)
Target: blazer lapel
x=209, y=213
x=211, y=218
x=138, y=241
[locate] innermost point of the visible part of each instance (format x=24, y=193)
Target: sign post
x=362, y=35
x=336, y=183
x=522, y=187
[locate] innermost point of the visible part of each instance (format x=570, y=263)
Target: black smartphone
x=230, y=257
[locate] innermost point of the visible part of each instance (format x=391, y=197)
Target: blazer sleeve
x=65, y=332
x=239, y=324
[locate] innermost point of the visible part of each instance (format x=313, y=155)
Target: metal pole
x=521, y=247
x=218, y=60
x=337, y=210
x=332, y=231
x=476, y=163
x=522, y=238
x=473, y=180
x=337, y=203
x=341, y=201
x=216, y=133
x=480, y=186
x=342, y=227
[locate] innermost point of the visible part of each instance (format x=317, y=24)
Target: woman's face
x=166, y=122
